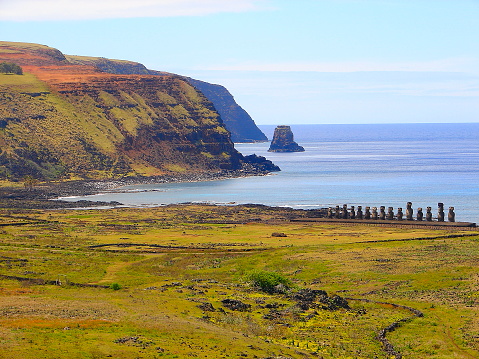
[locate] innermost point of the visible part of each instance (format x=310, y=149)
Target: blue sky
x=285, y=61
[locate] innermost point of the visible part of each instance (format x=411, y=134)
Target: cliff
x=283, y=141
x=62, y=119
x=236, y=120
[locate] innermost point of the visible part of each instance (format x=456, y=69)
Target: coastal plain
x=160, y=283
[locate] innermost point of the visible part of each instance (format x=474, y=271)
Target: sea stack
x=283, y=141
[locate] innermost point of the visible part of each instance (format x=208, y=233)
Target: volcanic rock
x=283, y=141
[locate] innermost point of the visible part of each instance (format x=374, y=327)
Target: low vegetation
x=198, y=281
x=10, y=68
x=269, y=282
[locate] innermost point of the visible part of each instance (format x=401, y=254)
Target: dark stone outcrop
x=261, y=163
x=283, y=141
x=306, y=299
x=207, y=307
x=236, y=305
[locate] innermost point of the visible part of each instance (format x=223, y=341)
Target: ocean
x=369, y=165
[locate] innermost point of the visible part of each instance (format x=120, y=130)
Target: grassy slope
x=63, y=124
x=163, y=287
x=48, y=123
x=67, y=120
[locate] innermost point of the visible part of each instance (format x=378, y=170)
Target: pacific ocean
x=369, y=165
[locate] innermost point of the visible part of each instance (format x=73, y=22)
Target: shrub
x=115, y=286
x=269, y=282
x=10, y=68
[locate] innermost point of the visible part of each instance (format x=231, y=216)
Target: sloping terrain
x=62, y=119
x=236, y=120
x=193, y=281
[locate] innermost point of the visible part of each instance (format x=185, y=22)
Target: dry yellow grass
x=170, y=260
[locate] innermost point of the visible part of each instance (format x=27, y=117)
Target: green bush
x=115, y=286
x=269, y=282
x=10, y=68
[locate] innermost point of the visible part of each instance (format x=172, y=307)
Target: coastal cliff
x=62, y=119
x=236, y=120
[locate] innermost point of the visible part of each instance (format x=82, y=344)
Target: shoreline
x=48, y=195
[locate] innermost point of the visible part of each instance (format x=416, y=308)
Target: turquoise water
x=368, y=165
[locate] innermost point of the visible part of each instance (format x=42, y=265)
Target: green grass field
x=162, y=275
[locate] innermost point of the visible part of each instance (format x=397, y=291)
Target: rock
x=283, y=141
x=338, y=302
x=207, y=307
x=234, y=304
x=261, y=163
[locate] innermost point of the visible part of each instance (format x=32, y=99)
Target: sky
x=284, y=61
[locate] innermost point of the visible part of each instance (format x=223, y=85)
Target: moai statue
x=451, y=216
x=330, y=212
x=440, y=212
x=352, y=214
x=420, y=215
x=390, y=215
x=409, y=211
x=360, y=212
x=375, y=213
x=399, y=214
x=338, y=212
x=428, y=214
x=367, y=214
x=344, y=212
x=382, y=213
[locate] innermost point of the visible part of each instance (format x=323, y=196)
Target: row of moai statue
x=372, y=213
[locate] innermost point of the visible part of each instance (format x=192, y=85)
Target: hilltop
x=66, y=119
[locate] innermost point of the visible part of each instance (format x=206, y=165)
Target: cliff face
x=283, y=141
x=236, y=120
x=62, y=119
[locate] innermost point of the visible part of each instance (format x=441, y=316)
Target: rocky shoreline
x=45, y=195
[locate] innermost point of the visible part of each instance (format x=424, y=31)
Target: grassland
x=174, y=266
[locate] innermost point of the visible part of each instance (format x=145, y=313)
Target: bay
x=368, y=165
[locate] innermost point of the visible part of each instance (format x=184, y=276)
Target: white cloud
x=39, y=10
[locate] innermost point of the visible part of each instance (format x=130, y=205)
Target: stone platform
x=394, y=223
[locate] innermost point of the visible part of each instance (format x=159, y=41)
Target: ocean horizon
x=369, y=165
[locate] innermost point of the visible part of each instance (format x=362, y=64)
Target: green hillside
x=62, y=119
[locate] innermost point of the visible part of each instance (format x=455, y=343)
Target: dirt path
x=447, y=331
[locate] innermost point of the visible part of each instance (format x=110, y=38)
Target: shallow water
x=368, y=165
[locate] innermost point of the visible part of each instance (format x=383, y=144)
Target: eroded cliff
x=63, y=119
x=236, y=120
